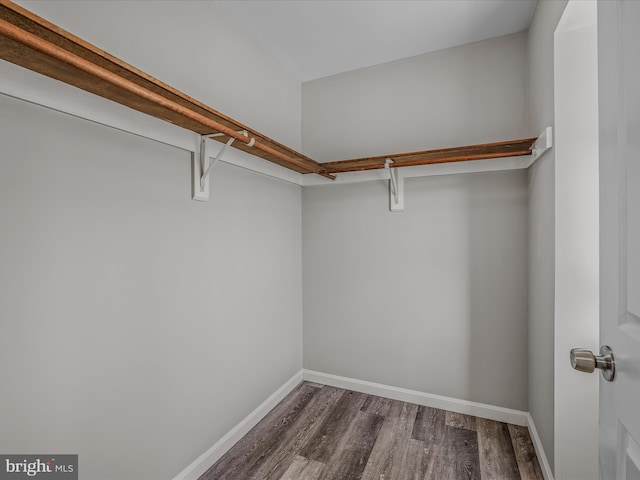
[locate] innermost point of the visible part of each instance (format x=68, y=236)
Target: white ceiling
x=318, y=38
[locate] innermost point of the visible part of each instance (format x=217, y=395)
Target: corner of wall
x=540, y=112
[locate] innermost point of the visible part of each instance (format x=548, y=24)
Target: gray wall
x=432, y=299
x=137, y=324
x=460, y=96
x=541, y=225
x=385, y=294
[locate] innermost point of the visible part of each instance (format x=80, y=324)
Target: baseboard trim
x=211, y=456
x=483, y=410
x=537, y=444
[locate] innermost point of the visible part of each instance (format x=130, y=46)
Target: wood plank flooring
x=324, y=433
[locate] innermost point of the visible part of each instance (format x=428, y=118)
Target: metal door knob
x=584, y=360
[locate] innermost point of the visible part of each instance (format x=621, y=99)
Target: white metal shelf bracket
x=204, y=158
x=202, y=163
x=396, y=187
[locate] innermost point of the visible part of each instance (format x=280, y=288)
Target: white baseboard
x=483, y=410
x=211, y=456
x=537, y=444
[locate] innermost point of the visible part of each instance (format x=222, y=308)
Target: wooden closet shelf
x=512, y=148
x=34, y=43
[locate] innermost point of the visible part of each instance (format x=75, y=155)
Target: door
x=619, y=108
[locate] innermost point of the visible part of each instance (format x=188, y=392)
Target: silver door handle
x=584, y=360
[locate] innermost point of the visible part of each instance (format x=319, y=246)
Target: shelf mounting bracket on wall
x=396, y=187
x=202, y=163
x=542, y=144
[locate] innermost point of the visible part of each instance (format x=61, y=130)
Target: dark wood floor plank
x=391, y=446
x=392, y=443
x=313, y=384
x=245, y=453
x=429, y=425
x=497, y=457
x=303, y=468
x=352, y=453
x=462, y=449
x=441, y=463
x=460, y=420
x=455, y=458
x=416, y=462
x=525, y=453
x=323, y=443
x=285, y=448
x=376, y=405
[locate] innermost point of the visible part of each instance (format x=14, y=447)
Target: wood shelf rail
x=483, y=151
x=34, y=43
